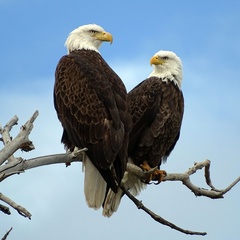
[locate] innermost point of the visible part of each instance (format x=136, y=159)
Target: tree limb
x=6, y=138
x=21, y=141
x=18, y=165
x=185, y=179
x=156, y=217
x=21, y=210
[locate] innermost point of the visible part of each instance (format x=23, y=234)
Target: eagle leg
x=157, y=175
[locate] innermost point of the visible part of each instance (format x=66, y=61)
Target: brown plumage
x=90, y=100
x=156, y=107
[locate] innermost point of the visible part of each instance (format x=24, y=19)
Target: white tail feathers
x=112, y=201
x=94, y=185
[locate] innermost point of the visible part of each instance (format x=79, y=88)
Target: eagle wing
x=156, y=108
x=87, y=108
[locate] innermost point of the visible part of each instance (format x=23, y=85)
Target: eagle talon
x=156, y=175
x=159, y=176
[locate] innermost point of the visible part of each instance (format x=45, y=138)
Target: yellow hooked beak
x=156, y=60
x=104, y=36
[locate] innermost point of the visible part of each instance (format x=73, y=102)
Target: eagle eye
x=92, y=31
x=165, y=58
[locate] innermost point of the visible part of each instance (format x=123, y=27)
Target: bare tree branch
x=157, y=218
x=185, y=179
x=21, y=141
x=6, y=138
x=6, y=234
x=18, y=165
x=21, y=210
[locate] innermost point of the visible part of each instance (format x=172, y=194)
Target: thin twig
x=21, y=210
x=6, y=234
x=157, y=218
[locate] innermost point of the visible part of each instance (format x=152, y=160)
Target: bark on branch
x=10, y=165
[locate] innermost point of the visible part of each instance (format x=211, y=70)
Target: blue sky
x=204, y=34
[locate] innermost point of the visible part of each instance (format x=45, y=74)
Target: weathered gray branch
x=157, y=218
x=21, y=141
x=185, y=179
x=18, y=165
x=21, y=210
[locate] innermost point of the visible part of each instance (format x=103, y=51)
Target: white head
x=167, y=65
x=89, y=37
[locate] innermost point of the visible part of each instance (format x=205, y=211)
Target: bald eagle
x=91, y=103
x=156, y=107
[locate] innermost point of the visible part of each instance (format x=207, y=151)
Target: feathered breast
x=156, y=108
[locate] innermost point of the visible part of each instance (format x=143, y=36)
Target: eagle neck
x=167, y=76
x=73, y=43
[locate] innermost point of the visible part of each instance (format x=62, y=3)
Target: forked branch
x=10, y=165
x=185, y=179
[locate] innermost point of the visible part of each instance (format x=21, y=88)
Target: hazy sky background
x=204, y=34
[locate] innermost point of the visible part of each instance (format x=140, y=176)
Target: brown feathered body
x=156, y=106
x=90, y=100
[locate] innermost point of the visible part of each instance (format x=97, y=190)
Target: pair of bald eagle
x=96, y=112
